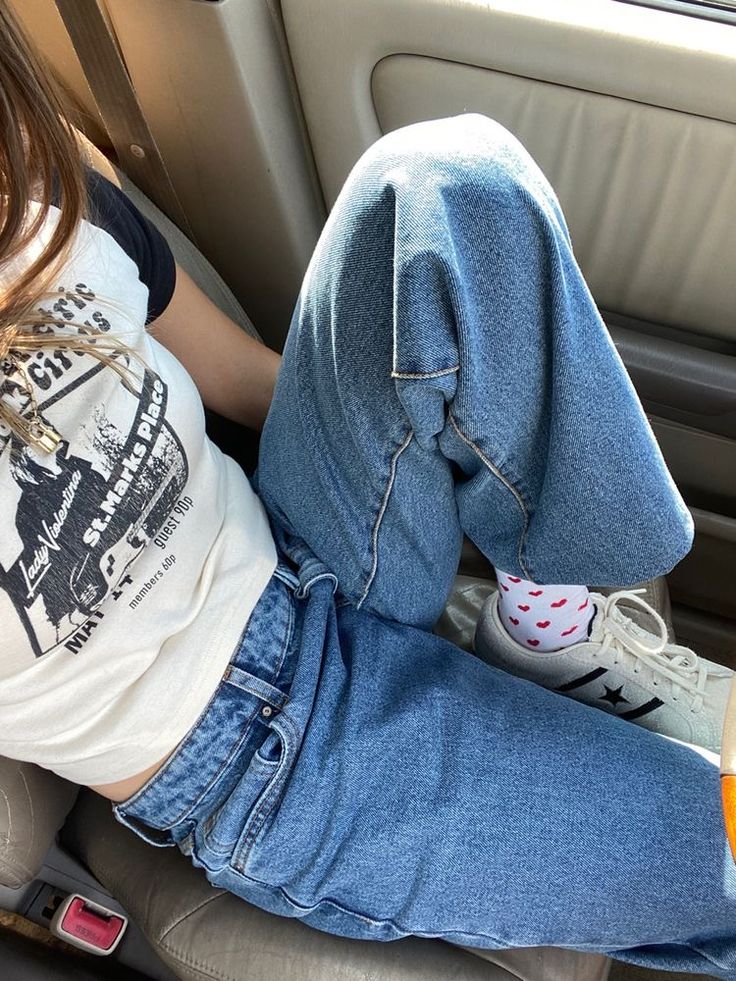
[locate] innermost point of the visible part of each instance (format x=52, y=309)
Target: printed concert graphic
x=85, y=513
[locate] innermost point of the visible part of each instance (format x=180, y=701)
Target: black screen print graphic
x=82, y=520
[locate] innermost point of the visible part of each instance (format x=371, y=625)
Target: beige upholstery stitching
x=196, y=909
x=9, y=870
x=6, y=836
x=187, y=959
x=31, y=810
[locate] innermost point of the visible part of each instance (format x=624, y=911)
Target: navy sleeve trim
x=109, y=208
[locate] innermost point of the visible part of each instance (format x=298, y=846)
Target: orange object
x=728, y=798
x=728, y=770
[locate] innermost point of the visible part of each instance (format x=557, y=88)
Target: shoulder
x=110, y=209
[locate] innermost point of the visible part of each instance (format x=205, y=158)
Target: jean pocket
x=270, y=767
x=222, y=838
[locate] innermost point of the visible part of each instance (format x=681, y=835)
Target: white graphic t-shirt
x=132, y=556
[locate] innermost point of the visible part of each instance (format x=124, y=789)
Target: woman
x=254, y=680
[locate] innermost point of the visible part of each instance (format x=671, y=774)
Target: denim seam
x=707, y=957
x=245, y=732
x=211, y=836
x=264, y=767
x=212, y=840
x=382, y=510
x=458, y=311
x=425, y=374
x=592, y=946
x=288, y=636
x=508, y=485
x=286, y=577
x=372, y=920
x=184, y=814
x=265, y=805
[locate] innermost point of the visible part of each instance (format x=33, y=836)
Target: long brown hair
x=40, y=161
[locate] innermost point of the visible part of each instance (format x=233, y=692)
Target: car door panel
x=629, y=177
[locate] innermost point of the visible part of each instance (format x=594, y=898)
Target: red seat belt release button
x=88, y=925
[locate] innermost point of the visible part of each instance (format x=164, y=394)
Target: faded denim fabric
x=447, y=371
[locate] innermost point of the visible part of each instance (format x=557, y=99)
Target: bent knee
x=470, y=152
x=466, y=142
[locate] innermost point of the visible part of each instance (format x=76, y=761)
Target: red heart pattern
x=553, y=613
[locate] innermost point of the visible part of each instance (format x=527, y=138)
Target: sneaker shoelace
x=681, y=666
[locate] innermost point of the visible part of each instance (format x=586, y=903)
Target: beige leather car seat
x=196, y=930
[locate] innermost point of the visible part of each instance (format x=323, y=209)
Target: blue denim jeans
x=447, y=372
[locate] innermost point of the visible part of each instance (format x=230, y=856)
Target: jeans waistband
x=254, y=687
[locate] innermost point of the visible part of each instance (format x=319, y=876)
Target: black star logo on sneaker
x=613, y=696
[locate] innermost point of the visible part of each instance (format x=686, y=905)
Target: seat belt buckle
x=87, y=925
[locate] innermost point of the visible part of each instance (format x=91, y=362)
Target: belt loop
x=304, y=589
x=286, y=576
x=249, y=683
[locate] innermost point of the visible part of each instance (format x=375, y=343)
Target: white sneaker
x=622, y=669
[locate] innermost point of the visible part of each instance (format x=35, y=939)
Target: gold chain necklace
x=34, y=430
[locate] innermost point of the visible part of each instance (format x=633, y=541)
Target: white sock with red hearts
x=543, y=617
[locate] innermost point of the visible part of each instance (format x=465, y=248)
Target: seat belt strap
x=107, y=76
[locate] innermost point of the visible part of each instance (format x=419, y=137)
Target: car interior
x=233, y=124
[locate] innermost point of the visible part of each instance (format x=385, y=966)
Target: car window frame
x=721, y=11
